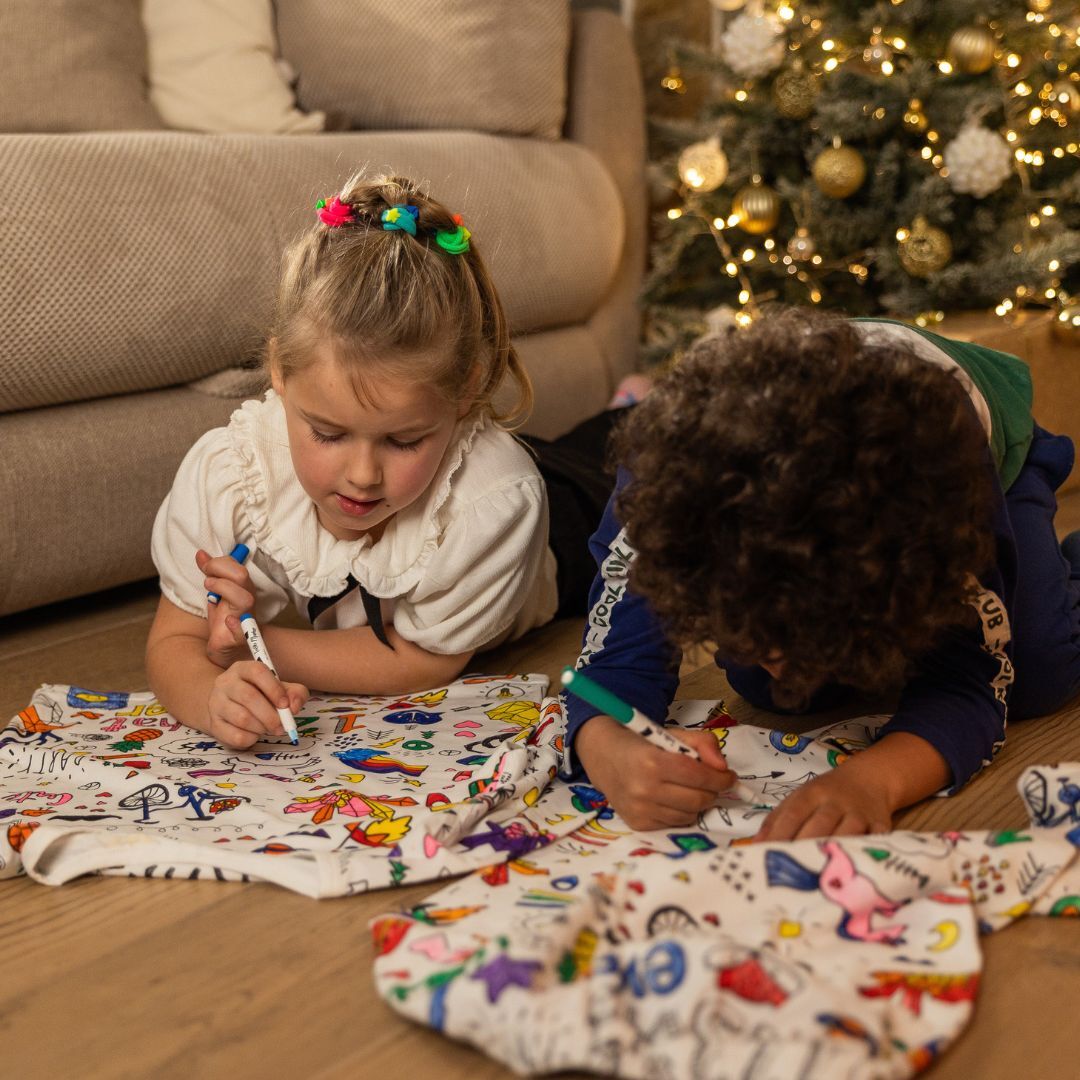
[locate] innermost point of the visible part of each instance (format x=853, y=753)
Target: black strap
x=372, y=609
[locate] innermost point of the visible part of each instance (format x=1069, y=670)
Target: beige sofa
x=138, y=269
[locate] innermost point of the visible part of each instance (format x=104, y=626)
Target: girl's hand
x=230, y=580
x=651, y=788
x=244, y=701
x=837, y=803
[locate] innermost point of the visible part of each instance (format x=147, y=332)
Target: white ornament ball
x=979, y=161
x=753, y=45
x=703, y=166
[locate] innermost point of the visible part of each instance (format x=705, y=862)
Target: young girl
x=375, y=484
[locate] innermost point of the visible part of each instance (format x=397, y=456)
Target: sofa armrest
x=606, y=115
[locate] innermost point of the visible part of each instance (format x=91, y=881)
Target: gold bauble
x=925, y=250
x=1066, y=325
x=757, y=207
x=801, y=247
x=971, y=49
x=839, y=171
x=703, y=166
x=1040, y=7
x=794, y=93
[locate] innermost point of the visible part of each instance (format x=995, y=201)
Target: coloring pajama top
x=957, y=700
x=464, y=567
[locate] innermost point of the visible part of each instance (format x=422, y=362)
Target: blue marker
x=240, y=554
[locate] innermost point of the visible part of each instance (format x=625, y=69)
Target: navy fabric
x=950, y=701
x=1046, y=609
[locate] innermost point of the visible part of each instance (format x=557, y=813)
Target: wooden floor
x=111, y=977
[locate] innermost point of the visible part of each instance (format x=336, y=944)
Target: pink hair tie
x=335, y=212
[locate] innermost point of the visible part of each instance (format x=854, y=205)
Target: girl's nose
x=365, y=470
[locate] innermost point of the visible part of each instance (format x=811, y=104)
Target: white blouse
x=464, y=567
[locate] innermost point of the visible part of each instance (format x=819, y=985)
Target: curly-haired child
x=377, y=483
x=836, y=506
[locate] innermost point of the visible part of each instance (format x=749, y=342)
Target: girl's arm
x=237, y=706
x=354, y=661
x=351, y=661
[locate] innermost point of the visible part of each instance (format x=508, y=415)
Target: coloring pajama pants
x=692, y=955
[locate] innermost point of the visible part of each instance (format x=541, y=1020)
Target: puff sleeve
x=484, y=576
x=205, y=509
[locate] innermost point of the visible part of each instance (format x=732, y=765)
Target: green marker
x=607, y=702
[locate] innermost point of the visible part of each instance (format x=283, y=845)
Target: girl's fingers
x=298, y=695
x=239, y=598
x=267, y=683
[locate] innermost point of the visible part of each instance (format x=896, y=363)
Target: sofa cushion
x=484, y=65
x=154, y=262
x=69, y=65
x=212, y=68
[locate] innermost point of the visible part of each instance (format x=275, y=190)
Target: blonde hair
x=385, y=300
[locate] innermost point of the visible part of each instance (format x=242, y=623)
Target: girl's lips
x=354, y=508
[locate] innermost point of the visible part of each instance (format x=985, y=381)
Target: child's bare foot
x=630, y=391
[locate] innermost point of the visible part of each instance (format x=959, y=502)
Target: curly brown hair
x=797, y=492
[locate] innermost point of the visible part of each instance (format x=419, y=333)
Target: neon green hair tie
x=453, y=241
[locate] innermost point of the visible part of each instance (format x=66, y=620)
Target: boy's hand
x=647, y=787
x=230, y=580
x=244, y=702
x=838, y=803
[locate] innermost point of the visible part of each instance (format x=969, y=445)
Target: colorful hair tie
x=335, y=212
x=401, y=217
x=454, y=241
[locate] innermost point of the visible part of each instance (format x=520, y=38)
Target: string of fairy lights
x=978, y=160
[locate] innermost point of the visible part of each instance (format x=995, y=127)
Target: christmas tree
x=901, y=157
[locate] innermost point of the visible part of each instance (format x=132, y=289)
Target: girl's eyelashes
x=397, y=444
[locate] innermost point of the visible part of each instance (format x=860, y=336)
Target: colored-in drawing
x=519, y=713
x=78, y=697
x=841, y=883
x=751, y=982
x=376, y=762
x=788, y=743
x=912, y=986
x=411, y=716
x=134, y=739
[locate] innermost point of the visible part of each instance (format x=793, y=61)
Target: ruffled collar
x=283, y=521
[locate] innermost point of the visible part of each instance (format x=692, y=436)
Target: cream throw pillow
x=212, y=68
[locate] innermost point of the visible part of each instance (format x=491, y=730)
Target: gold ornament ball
x=1040, y=7
x=794, y=93
x=971, y=49
x=757, y=207
x=925, y=250
x=703, y=166
x=839, y=171
x=801, y=247
x=1066, y=325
